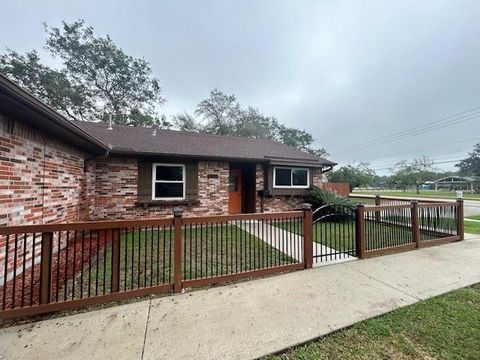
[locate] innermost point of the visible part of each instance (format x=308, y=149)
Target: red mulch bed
x=29, y=294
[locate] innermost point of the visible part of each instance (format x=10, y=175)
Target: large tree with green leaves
x=471, y=164
x=222, y=114
x=413, y=173
x=357, y=175
x=97, y=77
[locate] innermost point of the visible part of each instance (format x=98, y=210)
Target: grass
x=474, y=217
x=472, y=227
x=444, y=327
x=363, y=201
x=146, y=258
x=423, y=193
x=341, y=235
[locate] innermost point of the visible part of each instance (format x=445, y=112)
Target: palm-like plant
x=319, y=197
x=327, y=204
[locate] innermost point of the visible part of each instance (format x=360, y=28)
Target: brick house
x=53, y=169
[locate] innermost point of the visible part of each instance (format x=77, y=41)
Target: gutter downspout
x=327, y=169
x=91, y=158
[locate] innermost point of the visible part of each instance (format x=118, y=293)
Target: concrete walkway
x=253, y=318
x=290, y=243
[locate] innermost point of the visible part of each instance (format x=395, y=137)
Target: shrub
x=329, y=205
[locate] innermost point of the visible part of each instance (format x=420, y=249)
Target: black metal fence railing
x=334, y=233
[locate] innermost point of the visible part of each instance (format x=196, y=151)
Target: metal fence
x=392, y=228
x=62, y=266
x=334, y=233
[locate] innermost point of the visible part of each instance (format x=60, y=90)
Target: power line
x=390, y=140
x=434, y=163
x=450, y=120
x=457, y=118
x=422, y=153
x=458, y=142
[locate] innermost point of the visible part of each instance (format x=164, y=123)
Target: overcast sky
x=346, y=71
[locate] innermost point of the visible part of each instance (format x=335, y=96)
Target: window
x=291, y=178
x=168, y=182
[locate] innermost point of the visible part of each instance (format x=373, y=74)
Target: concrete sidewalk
x=289, y=243
x=253, y=318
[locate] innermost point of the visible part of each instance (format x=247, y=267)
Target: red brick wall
x=115, y=191
x=41, y=181
x=283, y=203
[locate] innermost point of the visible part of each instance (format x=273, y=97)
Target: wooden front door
x=235, y=191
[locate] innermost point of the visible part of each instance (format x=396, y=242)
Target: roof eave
x=276, y=161
x=22, y=97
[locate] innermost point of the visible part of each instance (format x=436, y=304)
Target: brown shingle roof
x=140, y=140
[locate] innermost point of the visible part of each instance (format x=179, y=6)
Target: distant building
x=451, y=183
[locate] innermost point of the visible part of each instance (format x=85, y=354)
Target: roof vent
x=110, y=122
x=154, y=132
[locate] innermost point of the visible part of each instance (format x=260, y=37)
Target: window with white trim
x=296, y=178
x=168, y=181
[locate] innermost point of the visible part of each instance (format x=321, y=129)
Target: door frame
x=239, y=174
x=249, y=191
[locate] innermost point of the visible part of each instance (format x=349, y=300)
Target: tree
x=186, y=122
x=253, y=124
x=357, y=175
x=222, y=114
x=471, y=164
x=52, y=86
x=413, y=173
x=97, y=79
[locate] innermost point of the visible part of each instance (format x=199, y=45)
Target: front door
x=235, y=191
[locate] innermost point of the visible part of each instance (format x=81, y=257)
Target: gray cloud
x=347, y=71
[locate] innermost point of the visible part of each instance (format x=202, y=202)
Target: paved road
x=250, y=319
x=471, y=207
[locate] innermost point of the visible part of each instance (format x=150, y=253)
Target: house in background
x=53, y=169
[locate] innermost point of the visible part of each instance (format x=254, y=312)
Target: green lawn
x=341, y=235
x=445, y=327
x=361, y=200
x=472, y=227
x=146, y=258
x=423, y=193
x=475, y=217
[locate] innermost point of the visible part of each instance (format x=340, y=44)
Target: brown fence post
x=377, y=203
x=177, y=249
x=115, y=260
x=415, y=224
x=45, y=267
x=460, y=219
x=360, y=230
x=307, y=235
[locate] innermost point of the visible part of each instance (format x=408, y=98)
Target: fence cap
x=306, y=206
x=177, y=211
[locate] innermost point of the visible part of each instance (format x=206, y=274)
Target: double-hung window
x=298, y=178
x=168, y=182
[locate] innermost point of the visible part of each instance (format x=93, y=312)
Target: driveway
x=254, y=318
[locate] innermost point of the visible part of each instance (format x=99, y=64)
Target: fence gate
x=334, y=231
